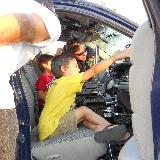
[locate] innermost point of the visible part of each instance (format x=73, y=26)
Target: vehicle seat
x=77, y=145
x=72, y=146
x=30, y=97
x=140, y=147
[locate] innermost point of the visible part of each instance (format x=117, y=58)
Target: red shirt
x=43, y=83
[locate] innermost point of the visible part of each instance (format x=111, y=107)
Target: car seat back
x=30, y=98
x=140, y=86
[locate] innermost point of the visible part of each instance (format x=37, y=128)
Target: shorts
x=67, y=124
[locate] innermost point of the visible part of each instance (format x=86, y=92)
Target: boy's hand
x=122, y=55
x=104, y=64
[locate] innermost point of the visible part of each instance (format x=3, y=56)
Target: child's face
x=72, y=68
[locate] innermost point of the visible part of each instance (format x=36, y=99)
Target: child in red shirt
x=45, y=80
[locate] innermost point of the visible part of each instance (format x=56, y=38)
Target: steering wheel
x=120, y=70
x=116, y=71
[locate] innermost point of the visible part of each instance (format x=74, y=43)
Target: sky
x=132, y=9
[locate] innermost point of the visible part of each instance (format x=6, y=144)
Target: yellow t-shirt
x=59, y=98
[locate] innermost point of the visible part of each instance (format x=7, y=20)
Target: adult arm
x=21, y=27
x=27, y=21
x=104, y=64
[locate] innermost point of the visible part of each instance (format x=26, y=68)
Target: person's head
x=59, y=51
x=90, y=56
x=76, y=49
x=44, y=62
x=64, y=65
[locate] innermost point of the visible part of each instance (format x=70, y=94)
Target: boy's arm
x=21, y=27
x=104, y=64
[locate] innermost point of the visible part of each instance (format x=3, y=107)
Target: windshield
x=110, y=40
x=133, y=10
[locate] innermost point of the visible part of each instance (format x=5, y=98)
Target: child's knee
x=84, y=108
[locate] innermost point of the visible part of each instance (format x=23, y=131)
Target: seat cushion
x=78, y=145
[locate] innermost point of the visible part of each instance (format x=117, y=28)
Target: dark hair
x=57, y=62
x=44, y=58
x=72, y=46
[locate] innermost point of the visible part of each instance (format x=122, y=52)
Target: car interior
x=118, y=94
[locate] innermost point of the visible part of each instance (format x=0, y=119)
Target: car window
x=111, y=40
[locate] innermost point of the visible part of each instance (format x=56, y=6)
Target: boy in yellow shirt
x=58, y=117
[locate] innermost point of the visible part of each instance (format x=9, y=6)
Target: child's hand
x=122, y=55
